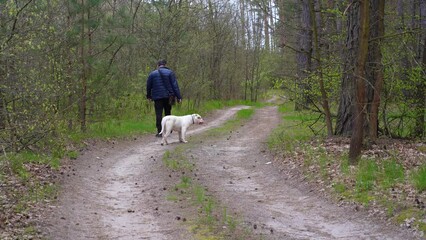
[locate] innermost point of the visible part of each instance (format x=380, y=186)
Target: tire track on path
x=241, y=175
x=118, y=190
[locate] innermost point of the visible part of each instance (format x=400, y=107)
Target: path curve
x=240, y=173
x=119, y=191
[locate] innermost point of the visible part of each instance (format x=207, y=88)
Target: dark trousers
x=160, y=105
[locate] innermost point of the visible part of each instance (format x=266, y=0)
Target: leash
x=192, y=116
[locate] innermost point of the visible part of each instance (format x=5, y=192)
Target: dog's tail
x=163, y=126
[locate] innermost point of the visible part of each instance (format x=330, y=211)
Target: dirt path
x=119, y=191
x=239, y=172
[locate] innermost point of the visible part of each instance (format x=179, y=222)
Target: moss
x=407, y=214
x=422, y=148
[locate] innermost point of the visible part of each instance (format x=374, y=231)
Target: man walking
x=160, y=85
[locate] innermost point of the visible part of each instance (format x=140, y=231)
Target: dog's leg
x=182, y=135
x=166, y=133
x=163, y=139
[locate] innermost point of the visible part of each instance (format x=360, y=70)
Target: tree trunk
x=420, y=95
x=71, y=84
x=318, y=56
x=360, y=103
x=345, y=111
x=375, y=67
x=280, y=27
x=2, y=112
x=420, y=99
x=83, y=77
x=304, y=56
x=244, y=44
x=266, y=25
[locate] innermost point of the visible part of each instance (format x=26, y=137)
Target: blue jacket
x=157, y=88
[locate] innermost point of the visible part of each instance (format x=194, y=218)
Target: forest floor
x=223, y=185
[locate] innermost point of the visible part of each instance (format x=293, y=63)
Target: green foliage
x=392, y=173
x=344, y=164
x=18, y=162
x=419, y=178
x=332, y=81
x=36, y=192
x=200, y=195
x=185, y=182
x=412, y=213
x=245, y=113
x=404, y=86
x=72, y=154
x=293, y=129
x=176, y=159
x=366, y=175
x=339, y=187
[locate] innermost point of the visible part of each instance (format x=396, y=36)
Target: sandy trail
x=119, y=191
x=240, y=173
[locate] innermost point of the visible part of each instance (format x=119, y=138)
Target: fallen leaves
x=328, y=173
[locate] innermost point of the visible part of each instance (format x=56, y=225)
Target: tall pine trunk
x=359, y=78
x=345, y=112
x=304, y=56
x=83, y=77
x=375, y=69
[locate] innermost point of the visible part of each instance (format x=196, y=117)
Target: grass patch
x=419, y=178
x=176, y=160
x=293, y=130
x=130, y=117
x=409, y=213
x=339, y=188
x=185, y=182
x=35, y=193
x=392, y=173
x=127, y=126
x=213, y=220
x=240, y=117
x=114, y=128
x=366, y=175
x=295, y=139
x=244, y=114
x=16, y=162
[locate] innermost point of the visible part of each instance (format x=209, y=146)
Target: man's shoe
x=158, y=135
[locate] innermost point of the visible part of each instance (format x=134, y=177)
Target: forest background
x=75, y=69
x=71, y=66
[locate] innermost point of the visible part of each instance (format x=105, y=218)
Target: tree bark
x=420, y=99
x=266, y=25
x=2, y=112
x=345, y=113
x=83, y=77
x=304, y=56
x=375, y=66
x=318, y=56
x=420, y=95
x=360, y=103
x=280, y=27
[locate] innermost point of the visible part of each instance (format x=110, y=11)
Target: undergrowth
x=376, y=179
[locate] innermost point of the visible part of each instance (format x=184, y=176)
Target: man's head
x=162, y=62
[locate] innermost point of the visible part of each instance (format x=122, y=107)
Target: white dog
x=179, y=124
